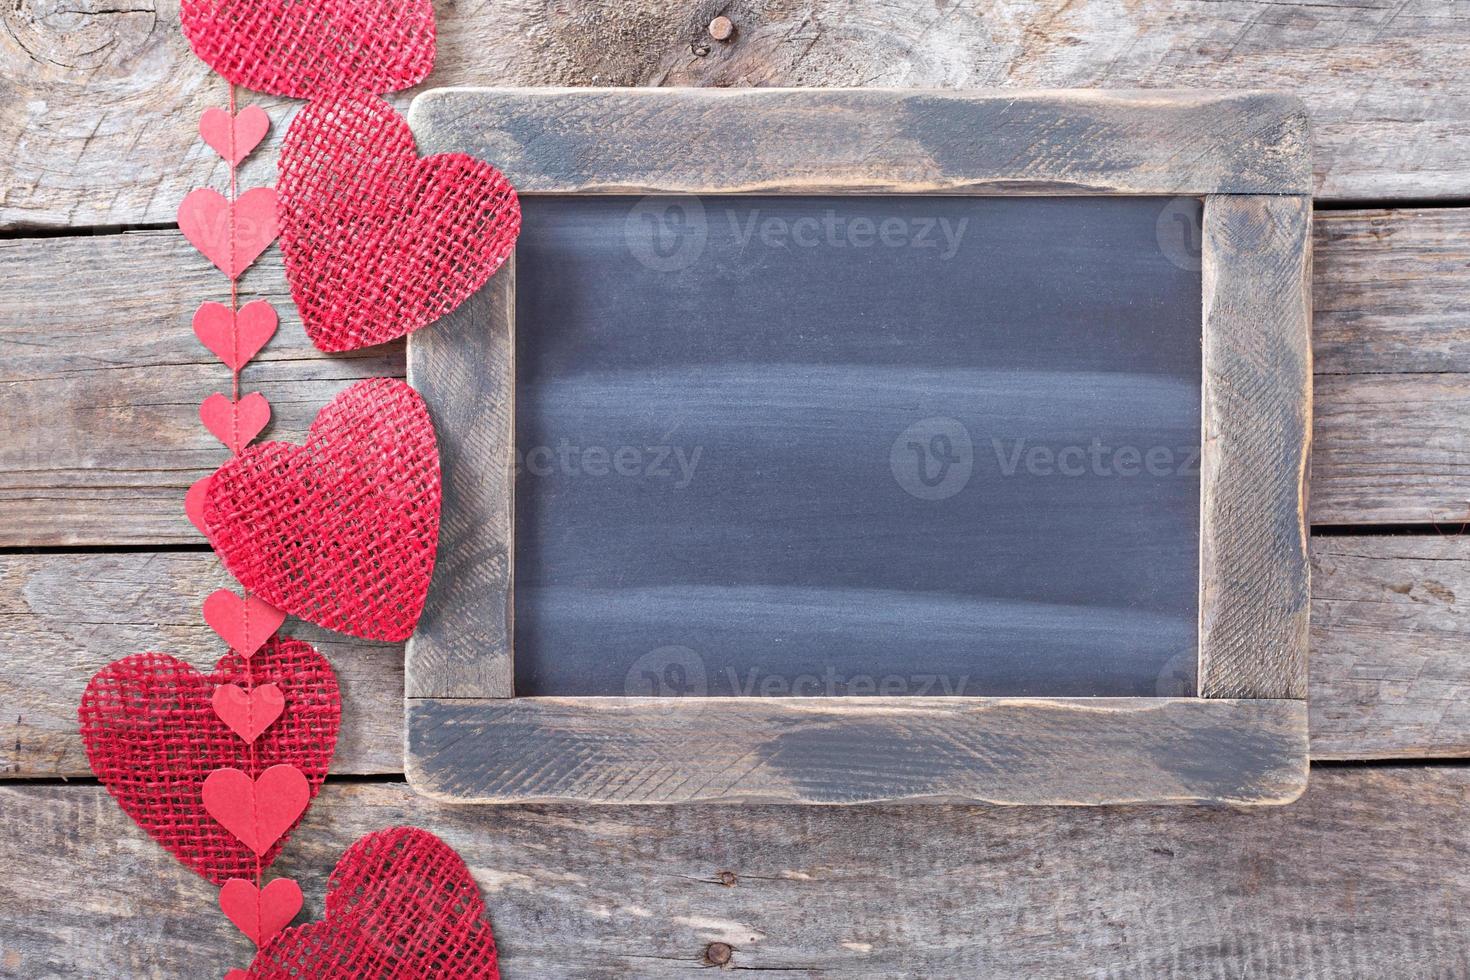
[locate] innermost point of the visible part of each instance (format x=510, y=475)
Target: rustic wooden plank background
x=99, y=378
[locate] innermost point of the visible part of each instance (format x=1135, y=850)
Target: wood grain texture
x=1256, y=429
x=462, y=647
x=1084, y=751
x=64, y=617
x=1391, y=343
x=1390, y=646
x=1365, y=877
x=1389, y=675
x=98, y=101
x=99, y=386
x=813, y=141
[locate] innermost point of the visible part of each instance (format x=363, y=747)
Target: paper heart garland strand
x=152, y=737
x=400, y=903
x=307, y=50
x=231, y=234
x=248, y=713
x=260, y=913
x=256, y=810
x=341, y=531
x=235, y=423
x=377, y=242
x=244, y=624
x=234, y=137
x=235, y=336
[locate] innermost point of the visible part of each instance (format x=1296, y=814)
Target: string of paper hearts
x=341, y=531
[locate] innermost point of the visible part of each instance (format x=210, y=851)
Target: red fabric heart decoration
x=232, y=236
x=378, y=242
x=152, y=737
x=400, y=904
x=233, y=137
x=307, y=50
x=341, y=531
x=260, y=912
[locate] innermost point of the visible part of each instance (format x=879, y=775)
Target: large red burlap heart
x=152, y=736
x=378, y=242
x=308, y=49
x=400, y=904
x=341, y=531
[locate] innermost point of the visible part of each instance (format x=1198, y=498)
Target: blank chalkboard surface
x=786, y=446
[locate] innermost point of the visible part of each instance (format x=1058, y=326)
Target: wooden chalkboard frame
x=1242, y=739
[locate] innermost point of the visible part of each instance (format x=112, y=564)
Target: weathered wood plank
x=1255, y=428
x=462, y=647
x=114, y=92
x=1389, y=677
x=814, y=141
x=99, y=386
x=1390, y=646
x=64, y=617
x=1013, y=751
x=1365, y=877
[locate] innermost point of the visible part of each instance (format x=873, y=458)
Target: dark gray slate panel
x=861, y=445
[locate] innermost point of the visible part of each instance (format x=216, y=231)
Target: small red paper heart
x=233, y=137
x=260, y=913
x=194, y=499
x=245, y=624
x=377, y=242
x=341, y=531
x=400, y=903
x=257, y=811
x=235, y=337
x=248, y=713
x=230, y=237
x=309, y=50
x=152, y=736
x=235, y=423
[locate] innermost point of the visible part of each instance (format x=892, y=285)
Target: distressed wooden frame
x=1242, y=739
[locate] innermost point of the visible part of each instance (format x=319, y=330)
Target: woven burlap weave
x=342, y=530
x=378, y=242
x=309, y=49
x=152, y=736
x=401, y=905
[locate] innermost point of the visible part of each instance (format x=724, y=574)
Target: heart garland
x=377, y=241
x=153, y=737
x=293, y=523
x=220, y=768
x=400, y=903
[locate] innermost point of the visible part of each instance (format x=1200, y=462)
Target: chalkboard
x=881, y=445
x=872, y=446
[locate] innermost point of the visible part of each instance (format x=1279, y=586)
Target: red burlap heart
x=400, y=904
x=377, y=242
x=307, y=50
x=341, y=531
x=152, y=736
